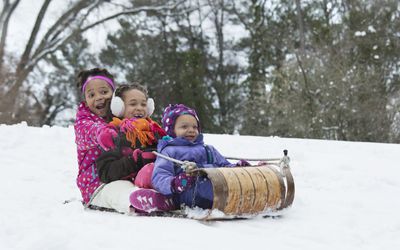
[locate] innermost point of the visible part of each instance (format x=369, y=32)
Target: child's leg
x=143, y=177
x=115, y=195
x=149, y=200
x=201, y=194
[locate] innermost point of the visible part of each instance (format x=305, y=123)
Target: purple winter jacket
x=184, y=150
x=87, y=125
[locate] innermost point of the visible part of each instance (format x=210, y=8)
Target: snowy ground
x=346, y=198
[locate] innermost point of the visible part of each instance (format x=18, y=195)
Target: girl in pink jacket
x=96, y=86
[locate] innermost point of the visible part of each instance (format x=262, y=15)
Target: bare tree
x=75, y=20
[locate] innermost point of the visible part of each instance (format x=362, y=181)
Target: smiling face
x=98, y=95
x=135, y=102
x=186, y=126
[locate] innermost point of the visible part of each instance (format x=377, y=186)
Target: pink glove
x=242, y=163
x=143, y=157
x=137, y=155
x=182, y=182
x=105, y=138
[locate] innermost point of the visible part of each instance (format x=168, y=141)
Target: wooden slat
x=234, y=191
x=220, y=187
x=247, y=188
x=274, y=192
x=260, y=189
x=290, y=188
x=283, y=187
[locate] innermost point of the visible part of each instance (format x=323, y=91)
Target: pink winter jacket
x=86, y=127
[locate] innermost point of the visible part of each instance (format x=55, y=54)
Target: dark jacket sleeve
x=112, y=166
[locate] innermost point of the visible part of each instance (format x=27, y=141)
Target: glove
x=137, y=157
x=182, y=182
x=105, y=138
x=126, y=151
x=242, y=163
x=143, y=157
x=189, y=166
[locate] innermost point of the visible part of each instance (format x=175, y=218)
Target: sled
x=240, y=192
x=244, y=192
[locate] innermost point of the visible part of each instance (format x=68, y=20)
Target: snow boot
x=149, y=200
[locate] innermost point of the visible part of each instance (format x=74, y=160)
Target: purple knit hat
x=172, y=112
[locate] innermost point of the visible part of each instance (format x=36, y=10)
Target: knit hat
x=172, y=112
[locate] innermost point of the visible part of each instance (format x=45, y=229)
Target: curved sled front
x=250, y=190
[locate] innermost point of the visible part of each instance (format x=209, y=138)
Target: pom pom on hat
x=172, y=112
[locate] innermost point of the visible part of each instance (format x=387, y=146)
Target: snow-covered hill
x=346, y=198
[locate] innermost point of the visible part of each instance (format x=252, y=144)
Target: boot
x=149, y=200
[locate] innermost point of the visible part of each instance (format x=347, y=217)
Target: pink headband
x=108, y=80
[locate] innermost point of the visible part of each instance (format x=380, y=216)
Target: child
x=131, y=156
x=96, y=87
x=185, y=143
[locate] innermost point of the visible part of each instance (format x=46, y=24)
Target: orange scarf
x=144, y=130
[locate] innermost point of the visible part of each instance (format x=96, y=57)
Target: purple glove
x=105, y=138
x=182, y=182
x=242, y=163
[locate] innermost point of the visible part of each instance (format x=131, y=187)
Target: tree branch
x=60, y=25
x=25, y=56
x=57, y=43
x=6, y=13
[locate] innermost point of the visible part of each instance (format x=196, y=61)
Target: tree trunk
x=300, y=22
x=5, y=15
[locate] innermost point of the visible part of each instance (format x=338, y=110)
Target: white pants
x=115, y=195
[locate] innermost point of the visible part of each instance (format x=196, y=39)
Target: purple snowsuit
x=184, y=150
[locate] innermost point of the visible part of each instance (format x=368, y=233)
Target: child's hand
x=143, y=157
x=105, y=138
x=182, y=182
x=189, y=166
x=243, y=163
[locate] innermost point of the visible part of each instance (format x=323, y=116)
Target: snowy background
x=346, y=198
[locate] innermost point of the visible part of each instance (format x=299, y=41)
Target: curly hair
x=84, y=74
x=120, y=90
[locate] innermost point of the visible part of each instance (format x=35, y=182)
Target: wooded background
x=291, y=68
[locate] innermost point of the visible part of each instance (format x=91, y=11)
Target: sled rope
x=279, y=162
x=187, y=166
x=253, y=159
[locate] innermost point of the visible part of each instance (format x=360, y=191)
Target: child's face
x=135, y=104
x=98, y=95
x=186, y=127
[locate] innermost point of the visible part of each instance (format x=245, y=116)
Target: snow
x=371, y=29
x=360, y=33
x=346, y=198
